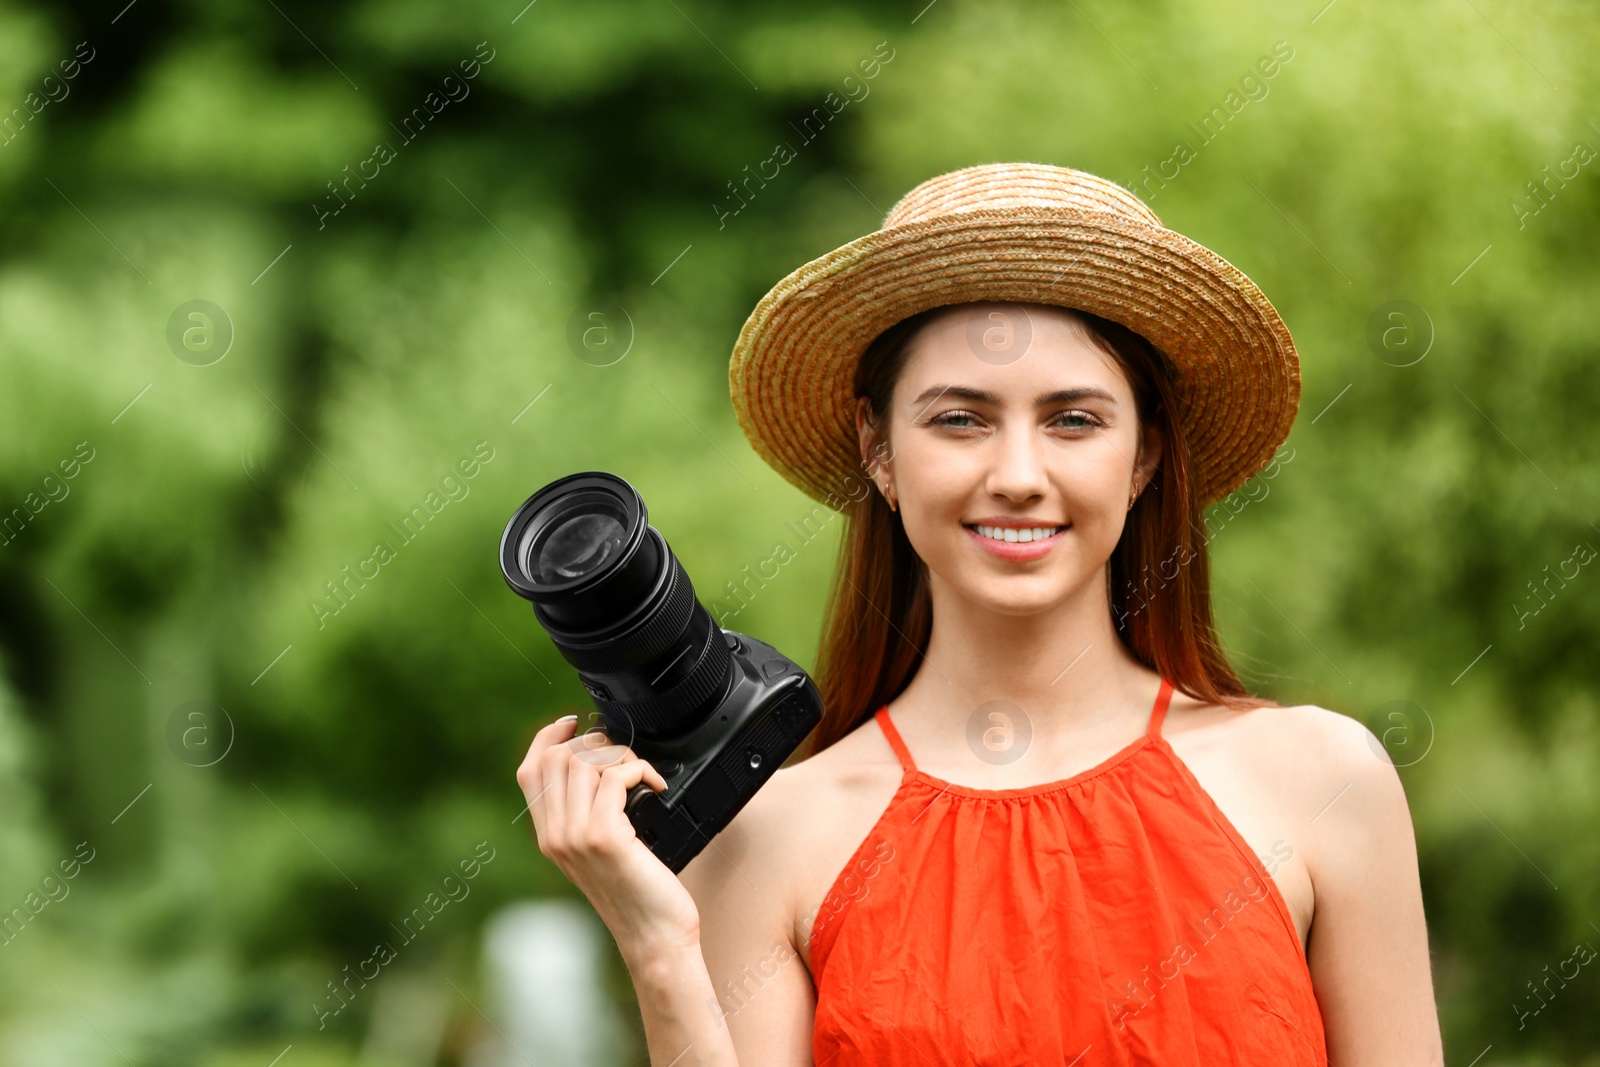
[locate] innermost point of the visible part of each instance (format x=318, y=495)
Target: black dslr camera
x=714, y=711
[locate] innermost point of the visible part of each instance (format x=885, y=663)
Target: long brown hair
x=879, y=614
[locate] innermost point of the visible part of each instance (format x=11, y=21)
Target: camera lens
x=618, y=605
x=579, y=545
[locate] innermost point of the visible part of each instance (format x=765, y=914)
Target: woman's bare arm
x=1369, y=941
x=741, y=992
x=743, y=888
x=673, y=988
x=576, y=786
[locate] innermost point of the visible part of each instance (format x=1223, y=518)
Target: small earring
x=893, y=505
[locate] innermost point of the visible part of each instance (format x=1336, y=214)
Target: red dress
x=1115, y=917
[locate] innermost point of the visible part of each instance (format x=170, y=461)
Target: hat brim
x=791, y=376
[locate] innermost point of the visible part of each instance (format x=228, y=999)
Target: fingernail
x=567, y=718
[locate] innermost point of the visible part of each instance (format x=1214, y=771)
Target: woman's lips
x=1016, y=551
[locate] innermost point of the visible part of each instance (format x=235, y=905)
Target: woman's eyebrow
x=983, y=396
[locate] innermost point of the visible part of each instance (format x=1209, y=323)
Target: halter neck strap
x=1159, y=712
x=892, y=735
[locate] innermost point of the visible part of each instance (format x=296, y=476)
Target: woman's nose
x=1018, y=472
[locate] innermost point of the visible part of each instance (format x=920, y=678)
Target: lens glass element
x=579, y=545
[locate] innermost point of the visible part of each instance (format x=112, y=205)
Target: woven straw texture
x=1024, y=232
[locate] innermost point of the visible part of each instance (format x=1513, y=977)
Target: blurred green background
x=404, y=215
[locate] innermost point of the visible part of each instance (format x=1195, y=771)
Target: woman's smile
x=1010, y=539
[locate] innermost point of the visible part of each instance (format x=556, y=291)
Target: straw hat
x=1026, y=232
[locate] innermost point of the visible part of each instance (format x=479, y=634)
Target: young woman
x=1041, y=821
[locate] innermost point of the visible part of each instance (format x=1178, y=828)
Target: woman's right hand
x=576, y=786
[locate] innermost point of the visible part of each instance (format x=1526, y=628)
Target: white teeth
x=1007, y=533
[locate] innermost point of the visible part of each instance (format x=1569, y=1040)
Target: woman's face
x=1007, y=418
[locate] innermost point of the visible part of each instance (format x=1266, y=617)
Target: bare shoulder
x=1318, y=756
x=1323, y=768
x=1310, y=787
x=1350, y=792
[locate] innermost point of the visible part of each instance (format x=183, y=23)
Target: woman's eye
x=960, y=420
x=1077, y=420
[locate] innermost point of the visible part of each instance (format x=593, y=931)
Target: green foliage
x=374, y=348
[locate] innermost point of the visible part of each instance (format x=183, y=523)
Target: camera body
x=715, y=712
x=711, y=772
